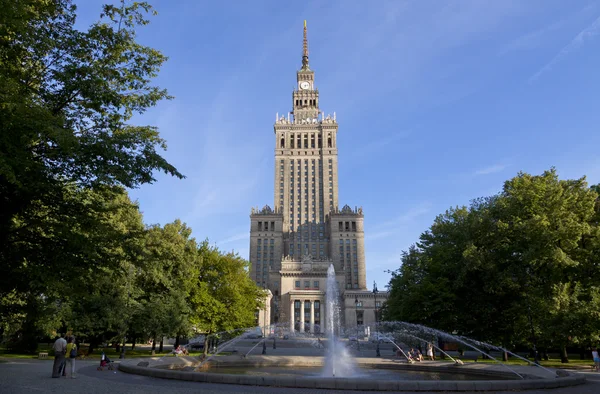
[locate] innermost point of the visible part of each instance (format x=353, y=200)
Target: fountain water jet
x=338, y=362
x=479, y=343
x=440, y=333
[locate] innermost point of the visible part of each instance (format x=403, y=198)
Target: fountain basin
x=485, y=377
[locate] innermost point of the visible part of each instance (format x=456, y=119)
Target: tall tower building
x=293, y=244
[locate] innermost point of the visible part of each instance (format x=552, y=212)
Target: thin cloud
x=380, y=144
x=389, y=228
x=235, y=237
x=377, y=235
x=580, y=39
x=533, y=39
x=491, y=170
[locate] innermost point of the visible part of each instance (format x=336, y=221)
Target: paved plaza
x=33, y=376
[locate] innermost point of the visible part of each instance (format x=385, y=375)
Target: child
x=596, y=358
x=104, y=361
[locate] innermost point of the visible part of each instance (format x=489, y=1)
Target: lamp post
x=357, y=341
x=275, y=329
x=375, y=291
x=264, y=350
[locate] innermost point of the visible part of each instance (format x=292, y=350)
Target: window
x=359, y=304
x=259, y=226
x=272, y=242
x=359, y=318
x=316, y=284
x=378, y=304
x=307, y=284
x=297, y=284
x=259, y=241
x=353, y=226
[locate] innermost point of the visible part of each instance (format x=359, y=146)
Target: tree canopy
x=75, y=252
x=512, y=268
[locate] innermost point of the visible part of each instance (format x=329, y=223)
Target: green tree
x=168, y=274
x=520, y=261
x=67, y=98
x=224, y=297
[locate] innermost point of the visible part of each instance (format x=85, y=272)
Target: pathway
x=33, y=376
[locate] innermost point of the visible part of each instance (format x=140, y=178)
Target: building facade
x=293, y=243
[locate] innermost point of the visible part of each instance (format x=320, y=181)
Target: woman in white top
x=430, y=351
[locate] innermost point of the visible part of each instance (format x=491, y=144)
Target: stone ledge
x=357, y=384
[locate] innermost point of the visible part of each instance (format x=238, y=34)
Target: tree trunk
x=504, y=356
x=118, y=347
x=176, y=342
x=545, y=354
x=160, y=347
x=93, y=344
x=564, y=358
x=154, y=345
x=205, y=346
x=133, y=344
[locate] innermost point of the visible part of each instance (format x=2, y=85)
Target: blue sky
x=438, y=103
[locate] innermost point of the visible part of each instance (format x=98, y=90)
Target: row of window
x=314, y=228
x=296, y=142
x=266, y=226
x=359, y=304
x=307, y=284
x=347, y=226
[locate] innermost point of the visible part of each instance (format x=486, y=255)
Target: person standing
x=430, y=351
x=71, y=354
x=596, y=358
x=60, y=348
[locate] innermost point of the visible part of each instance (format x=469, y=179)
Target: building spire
x=305, y=50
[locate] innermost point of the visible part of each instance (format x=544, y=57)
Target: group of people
x=65, y=352
x=416, y=354
x=180, y=351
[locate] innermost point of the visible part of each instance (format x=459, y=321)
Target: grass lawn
x=110, y=352
x=552, y=363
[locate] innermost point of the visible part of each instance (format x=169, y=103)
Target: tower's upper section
x=305, y=50
x=305, y=97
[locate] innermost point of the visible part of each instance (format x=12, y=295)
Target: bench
x=42, y=356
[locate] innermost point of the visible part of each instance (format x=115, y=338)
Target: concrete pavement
x=33, y=376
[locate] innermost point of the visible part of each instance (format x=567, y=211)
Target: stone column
x=291, y=315
x=312, y=316
x=302, y=316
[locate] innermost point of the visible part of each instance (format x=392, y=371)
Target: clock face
x=304, y=85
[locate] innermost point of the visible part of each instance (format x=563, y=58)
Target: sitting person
x=178, y=351
x=418, y=355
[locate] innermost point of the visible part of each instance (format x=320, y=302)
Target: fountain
x=338, y=369
x=338, y=361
